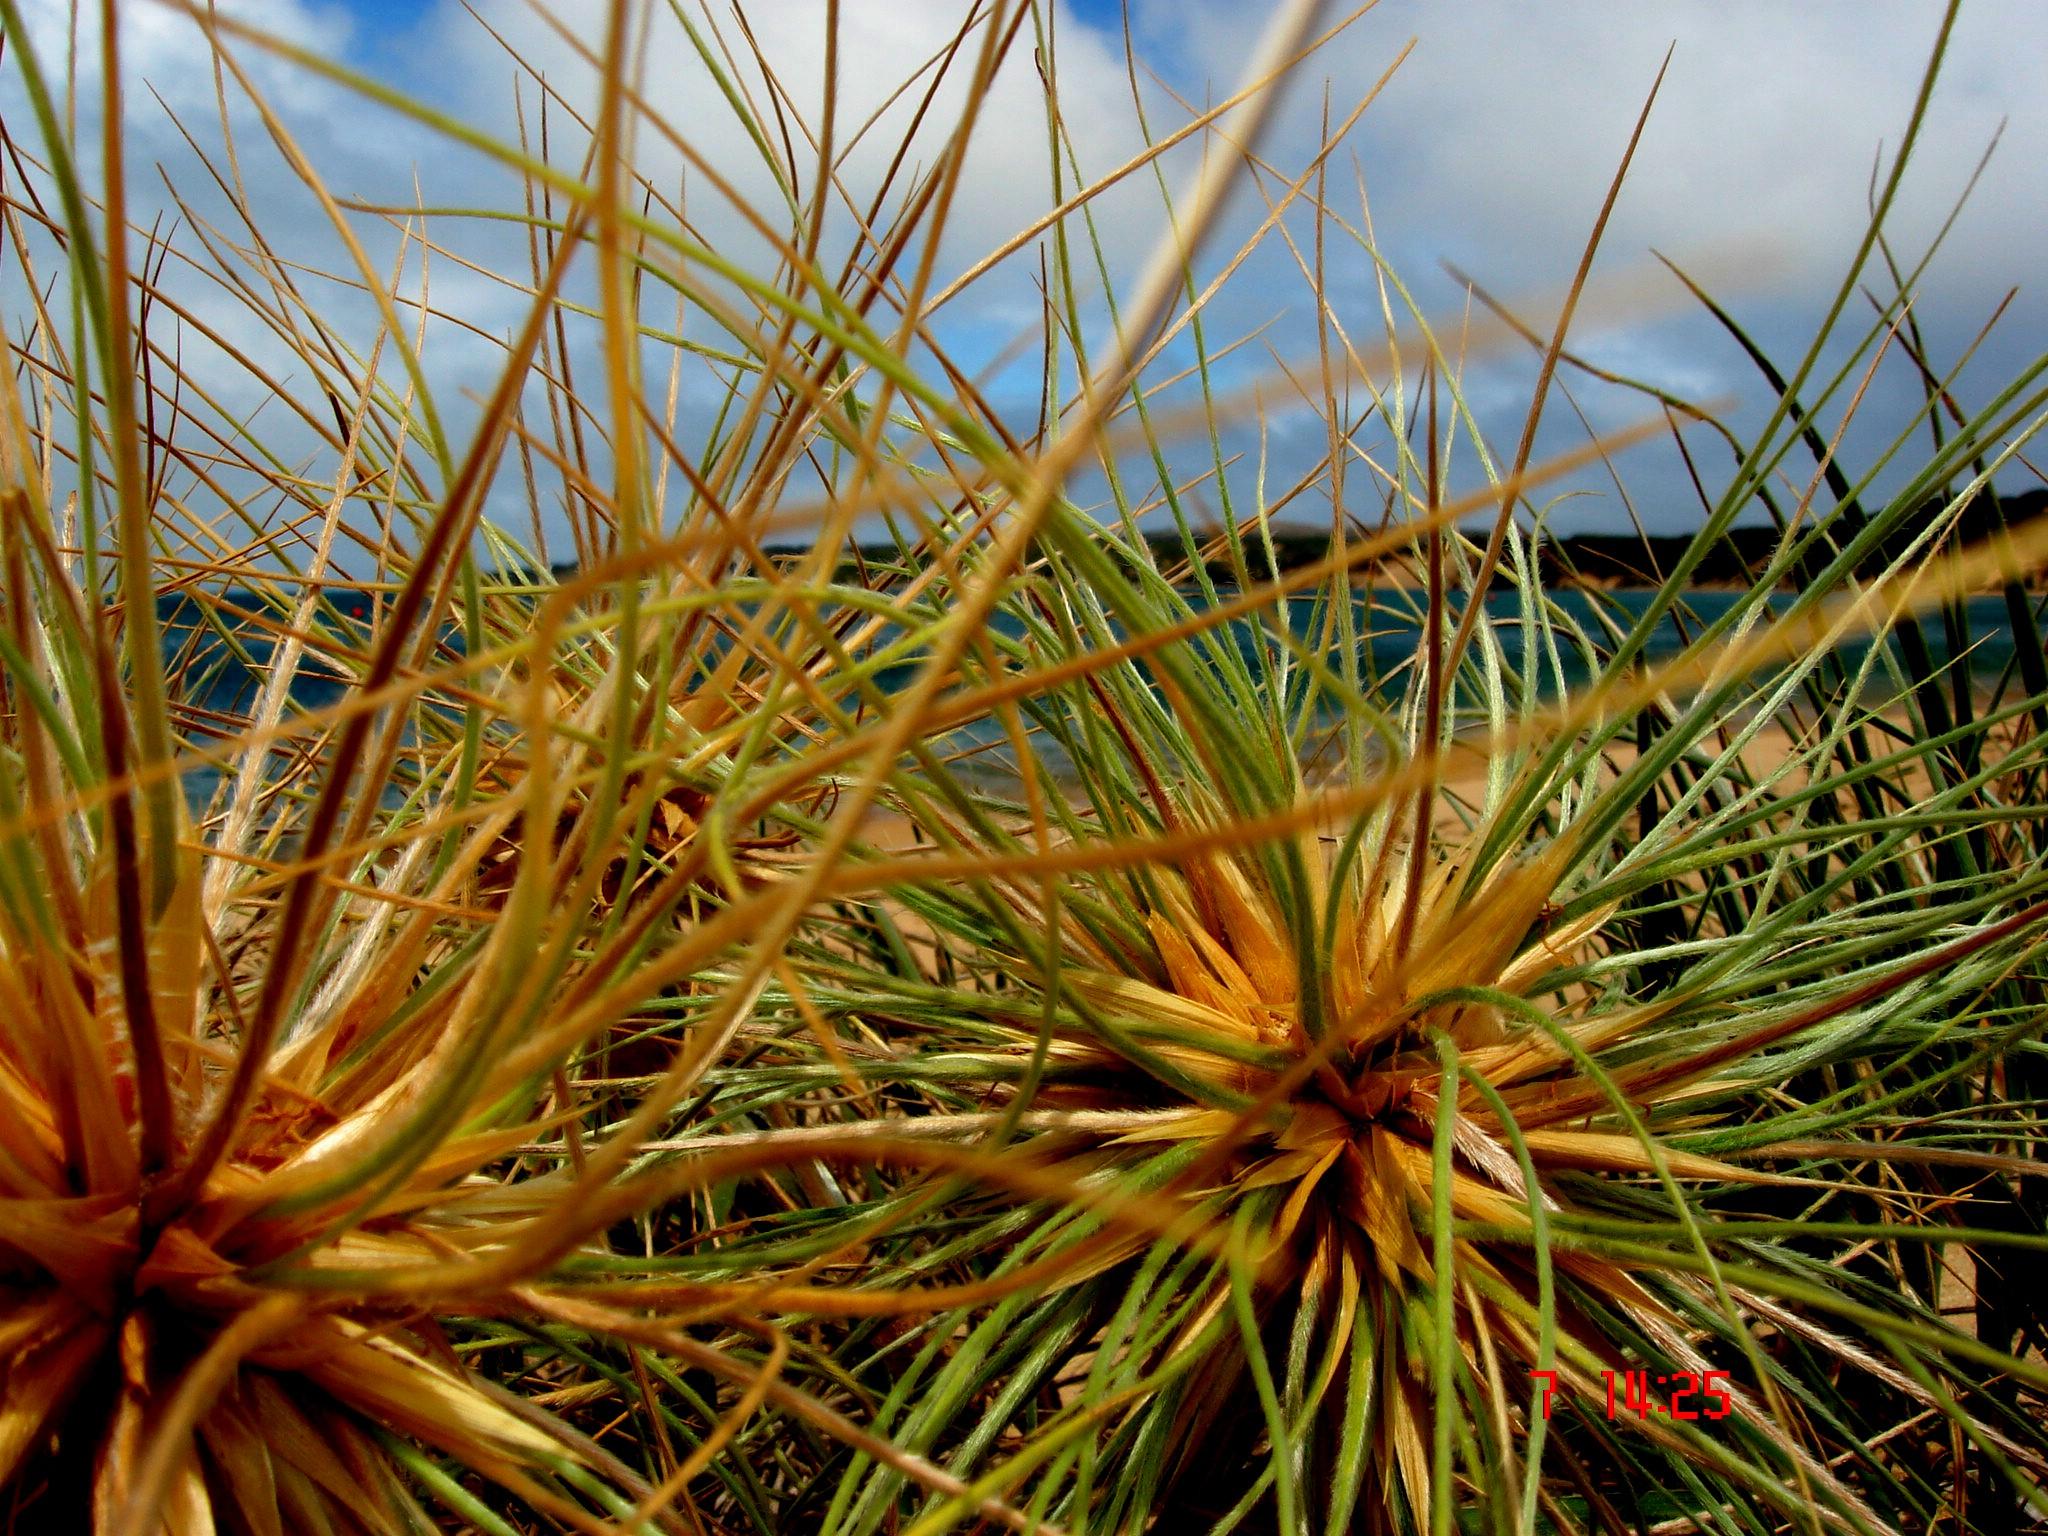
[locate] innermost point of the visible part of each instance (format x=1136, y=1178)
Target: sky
x=1489, y=150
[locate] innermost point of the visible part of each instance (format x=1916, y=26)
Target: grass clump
x=879, y=999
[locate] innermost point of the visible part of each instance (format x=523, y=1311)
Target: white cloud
x=1007, y=179
x=1492, y=146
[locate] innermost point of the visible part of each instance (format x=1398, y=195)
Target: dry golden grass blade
x=52, y=1344
x=1606, y=1152
x=162, y=1480
x=78, y=1239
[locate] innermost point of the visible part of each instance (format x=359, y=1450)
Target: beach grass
x=865, y=995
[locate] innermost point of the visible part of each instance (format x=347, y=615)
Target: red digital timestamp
x=1635, y=1394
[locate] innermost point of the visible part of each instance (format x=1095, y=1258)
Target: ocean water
x=221, y=669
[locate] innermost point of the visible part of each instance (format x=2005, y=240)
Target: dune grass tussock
x=864, y=995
